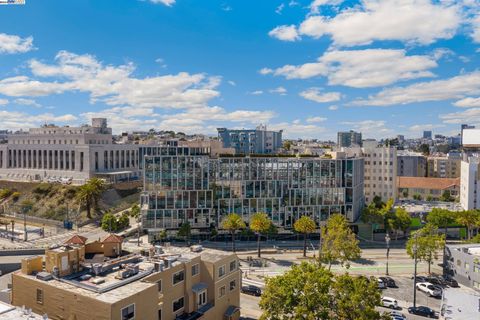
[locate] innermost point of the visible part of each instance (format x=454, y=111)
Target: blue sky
x=310, y=67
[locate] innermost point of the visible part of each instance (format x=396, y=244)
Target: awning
x=199, y=287
x=231, y=310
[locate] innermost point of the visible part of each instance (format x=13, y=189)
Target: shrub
x=16, y=195
x=43, y=189
x=5, y=193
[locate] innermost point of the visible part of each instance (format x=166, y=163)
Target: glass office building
x=203, y=190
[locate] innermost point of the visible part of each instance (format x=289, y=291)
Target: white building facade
x=380, y=172
x=469, y=186
x=73, y=153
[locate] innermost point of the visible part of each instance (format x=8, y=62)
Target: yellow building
x=168, y=283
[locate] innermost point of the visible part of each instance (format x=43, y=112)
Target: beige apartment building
x=161, y=283
x=443, y=167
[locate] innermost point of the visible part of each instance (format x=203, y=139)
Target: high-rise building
x=165, y=283
x=256, y=141
x=470, y=184
x=427, y=134
x=202, y=190
x=411, y=164
x=71, y=153
x=349, y=139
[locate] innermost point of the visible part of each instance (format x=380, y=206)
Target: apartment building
x=380, y=172
x=202, y=190
x=463, y=264
x=349, y=139
x=162, y=283
x=444, y=166
x=70, y=153
x=469, y=183
x=411, y=164
x=251, y=141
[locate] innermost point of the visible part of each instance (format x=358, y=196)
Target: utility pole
x=13, y=229
x=320, y=245
x=139, y=225
x=415, y=249
x=387, y=240
x=25, y=236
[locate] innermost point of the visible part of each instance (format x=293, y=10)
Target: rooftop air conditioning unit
x=196, y=248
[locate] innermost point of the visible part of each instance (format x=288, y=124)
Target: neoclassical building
x=75, y=153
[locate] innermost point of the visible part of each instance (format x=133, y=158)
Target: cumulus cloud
x=413, y=21
x=333, y=108
x=256, y=92
x=168, y=3
x=3, y=102
x=452, y=88
x=27, y=102
x=14, y=44
x=361, y=68
x=370, y=128
x=14, y=120
x=279, y=90
x=285, y=33
x=471, y=116
x=468, y=102
x=315, y=94
x=315, y=119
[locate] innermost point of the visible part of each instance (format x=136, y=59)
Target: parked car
x=395, y=315
x=421, y=279
x=389, y=282
x=381, y=284
x=422, y=311
x=449, y=281
x=388, y=302
x=252, y=290
x=436, y=281
x=430, y=289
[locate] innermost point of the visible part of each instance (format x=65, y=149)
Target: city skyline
x=311, y=68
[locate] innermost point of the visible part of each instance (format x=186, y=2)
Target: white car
x=388, y=302
x=381, y=284
x=429, y=289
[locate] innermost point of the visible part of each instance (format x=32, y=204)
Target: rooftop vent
x=196, y=248
x=44, y=276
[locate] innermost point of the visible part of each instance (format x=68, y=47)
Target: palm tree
x=89, y=194
x=304, y=225
x=232, y=223
x=259, y=223
x=469, y=219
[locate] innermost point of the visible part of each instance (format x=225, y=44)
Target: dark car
x=449, y=281
x=436, y=281
x=421, y=279
x=422, y=311
x=389, y=282
x=252, y=290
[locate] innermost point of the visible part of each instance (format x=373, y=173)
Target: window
x=195, y=269
x=221, y=292
x=233, y=285
x=233, y=265
x=178, y=304
x=202, y=298
x=128, y=312
x=159, y=314
x=159, y=284
x=221, y=271
x=40, y=296
x=178, y=277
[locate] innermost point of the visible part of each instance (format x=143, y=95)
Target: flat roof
x=9, y=312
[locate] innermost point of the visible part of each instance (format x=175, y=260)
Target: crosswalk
x=259, y=284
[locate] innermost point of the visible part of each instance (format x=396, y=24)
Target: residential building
x=9, y=312
x=469, y=183
x=248, y=141
x=411, y=164
x=349, y=139
x=424, y=188
x=71, y=153
x=165, y=283
x=444, y=166
x=427, y=134
x=463, y=264
x=202, y=190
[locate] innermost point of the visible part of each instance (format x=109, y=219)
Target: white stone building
x=67, y=153
x=469, y=186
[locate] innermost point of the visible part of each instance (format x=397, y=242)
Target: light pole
x=415, y=248
x=387, y=241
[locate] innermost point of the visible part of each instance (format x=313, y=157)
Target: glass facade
x=202, y=190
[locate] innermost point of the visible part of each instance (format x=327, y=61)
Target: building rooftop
x=9, y=312
x=469, y=248
x=427, y=183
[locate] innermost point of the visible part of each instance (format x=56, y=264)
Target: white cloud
x=418, y=128
x=471, y=116
x=476, y=28
x=279, y=9
x=232, y=83
x=296, y=129
x=168, y=3
x=27, y=102
x=113, y=85
x=468, y=102
x=370, y=128
x=333, y=108
x=316, y=4
x=256, y=92
x=315, y=119
x=315, y=94
x=280, y=90
x=285, y=33
x=361, y=68
x=14, y=120
x=3, y=102
x=413, y=21
x=453, y=88
x=15, y=44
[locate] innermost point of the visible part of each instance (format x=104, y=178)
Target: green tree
x=338, y=242
x=26, y=206
x=109, y=222
x=90, y=193
x=123, y=221
x=310, y=292
x=232, y=223
x=427, y=242
x=401, y=221
x=135, y=211
x=446, y=196
x=441, y=218
x=287, y=144
x=469, y=219
x=424, y=149
x=185, y=231
x=304, y=225
x=260, y=223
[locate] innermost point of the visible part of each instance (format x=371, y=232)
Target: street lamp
x=415, y=249
x=387, y=241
